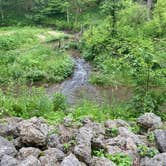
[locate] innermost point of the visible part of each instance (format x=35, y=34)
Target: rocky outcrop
x=35, y=143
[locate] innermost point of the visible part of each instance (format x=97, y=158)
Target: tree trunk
x=76, y=16
x=113, y=19
x=149, y=8
x=2, y=15
x=67, y=14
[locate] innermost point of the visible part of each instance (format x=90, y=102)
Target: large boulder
x=158, y=160
x=70, y=160
x=149, y=121
x=33, y=132
x=83, y=144
x=6, y=148
x=30, y=161
x=29, y=151
x=160, y=136
x=96, y=161
x=8, y=161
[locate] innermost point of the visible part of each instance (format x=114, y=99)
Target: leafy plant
x=59, y=102
x=151, y=137
x=143, y=151
x=113, y=132
x=120, y=159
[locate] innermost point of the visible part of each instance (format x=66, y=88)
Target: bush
x=59, y=102
x=27, y=103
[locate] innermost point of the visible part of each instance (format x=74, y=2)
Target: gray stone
x=6, y=148
x=67, y=121
x=122, y=142
x=66, y=134
x=98, y=129
x=98, y=142
x=126, y=133
x=113, y=150
x=54, y=153
x=109, y=124
x=71, y=160
x=53, y=141
x=8, y=161
x=83, y=148
x=30, y=161
x=17, y=143
x=3, y=130
x=160, y=136
x=96, y=161
x=33, y=132
x=9, y=127
x=158, y=160
x=29, y=151
x=149, y=121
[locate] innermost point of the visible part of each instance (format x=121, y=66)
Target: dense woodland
x=124, y=41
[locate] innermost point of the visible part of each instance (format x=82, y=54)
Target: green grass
x=26, y=58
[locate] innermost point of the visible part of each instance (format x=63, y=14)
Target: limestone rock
x=6, y=148
x=149, y=121
x=160, y=136
x=70, y=160
x=96, y=161
x=33, y=132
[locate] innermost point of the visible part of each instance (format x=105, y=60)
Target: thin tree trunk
x=2, y=15
x=76, y=16
x=67, y=13
x=149, y=8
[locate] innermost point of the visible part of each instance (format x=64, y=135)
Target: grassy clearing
x=26, y=58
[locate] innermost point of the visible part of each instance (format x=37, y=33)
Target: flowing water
x=77, y=88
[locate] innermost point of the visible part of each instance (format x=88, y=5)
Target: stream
x=77, y=88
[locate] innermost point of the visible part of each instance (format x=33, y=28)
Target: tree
x=111, y=8
x=149, y=8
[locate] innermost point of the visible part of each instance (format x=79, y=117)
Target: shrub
x=146, y=151
x=27, y=103
x=59, y=102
